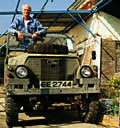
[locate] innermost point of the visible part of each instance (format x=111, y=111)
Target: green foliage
x=114, y=83
x=115, y=108
x=114, y=90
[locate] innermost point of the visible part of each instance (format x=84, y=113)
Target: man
x=26, y=24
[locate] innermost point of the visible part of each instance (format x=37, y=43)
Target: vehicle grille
x=49, y=68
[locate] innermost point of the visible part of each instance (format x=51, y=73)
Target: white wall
x=108, y=26
x=104, y=26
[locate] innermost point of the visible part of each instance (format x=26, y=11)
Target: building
x=105, y=25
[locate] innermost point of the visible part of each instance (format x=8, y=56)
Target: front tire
x=11, y=111
x=93, y=112
x=89, y=112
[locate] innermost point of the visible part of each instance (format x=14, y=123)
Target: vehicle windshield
x=29, y=43
x=19, y=45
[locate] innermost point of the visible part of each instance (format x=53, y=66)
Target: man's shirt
x=32, y=26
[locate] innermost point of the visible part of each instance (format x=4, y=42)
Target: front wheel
x=88, y=111
x=11, y=111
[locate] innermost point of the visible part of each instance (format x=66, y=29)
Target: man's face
x=26, y=10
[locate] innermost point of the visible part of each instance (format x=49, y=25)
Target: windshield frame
x=62, y=39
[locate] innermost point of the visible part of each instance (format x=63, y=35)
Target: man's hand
x=20, y=36
x=35, y=35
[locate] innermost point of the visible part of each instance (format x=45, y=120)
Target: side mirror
x=93, y=55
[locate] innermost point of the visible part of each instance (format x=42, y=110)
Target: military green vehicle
x=48, y=71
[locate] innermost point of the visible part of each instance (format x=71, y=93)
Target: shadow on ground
x=50, y=118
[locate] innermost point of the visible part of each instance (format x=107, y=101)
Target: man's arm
x=40, y=30
x=20, y=35
x=13, y=29
x=35, y=35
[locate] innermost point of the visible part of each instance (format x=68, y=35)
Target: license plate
x=56, y=84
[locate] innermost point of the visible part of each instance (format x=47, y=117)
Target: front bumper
x=21, y=87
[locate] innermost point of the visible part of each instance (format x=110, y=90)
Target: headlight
x=21, y=72
x=86, y=72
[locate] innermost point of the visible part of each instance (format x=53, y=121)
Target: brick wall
x=107, y=60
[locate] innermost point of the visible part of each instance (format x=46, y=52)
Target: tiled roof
x=112, y=8
x=83, y=4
